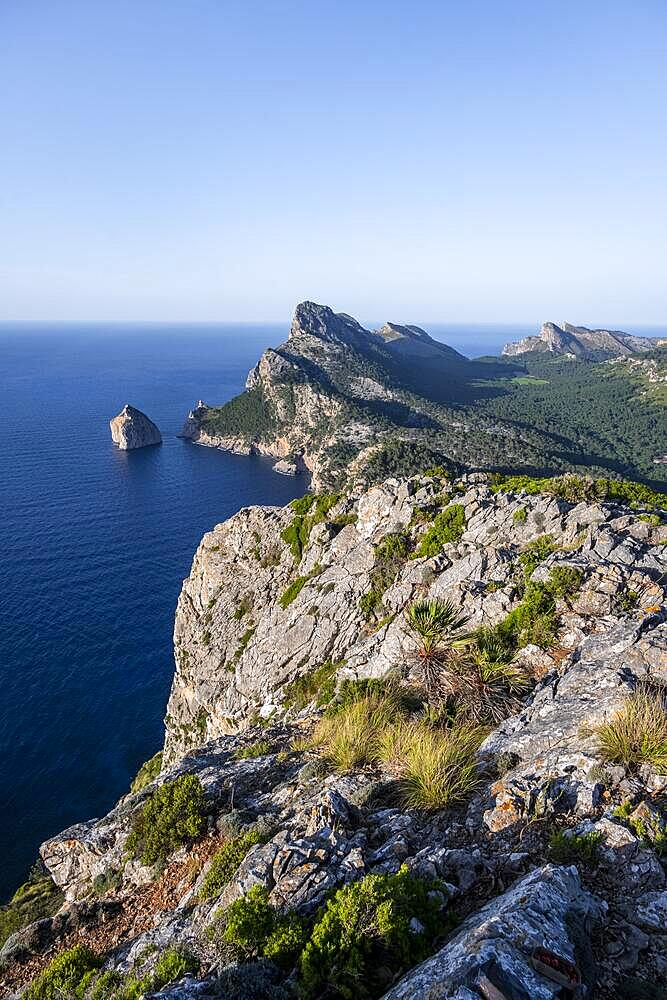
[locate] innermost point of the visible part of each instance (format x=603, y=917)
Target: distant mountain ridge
x=581, y=342
x=352, y=405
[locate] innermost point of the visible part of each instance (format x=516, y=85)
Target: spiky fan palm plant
x=438, y=627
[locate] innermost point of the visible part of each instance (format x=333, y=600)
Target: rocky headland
x=132, y=429
x=352, y=406
x=580, y=342
x=416, y=747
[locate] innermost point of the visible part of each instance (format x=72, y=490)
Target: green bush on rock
x=148, y=772
x=172, y=816
x=448, y=526
x=366, y=935
x=226, y=861
x=63, y=976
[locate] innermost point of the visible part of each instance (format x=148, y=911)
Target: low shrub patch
x=226, y=861
x=448, y=526
x=575, y=848
x=172, y=816
x=366, y=936
x=318, y=685
x=148, y=772
x=253, y=750
x=62, y=977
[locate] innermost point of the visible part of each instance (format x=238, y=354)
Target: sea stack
x=133, y=429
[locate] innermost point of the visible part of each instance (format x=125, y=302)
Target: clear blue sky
x=207, y=159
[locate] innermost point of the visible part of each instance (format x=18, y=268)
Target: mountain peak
x=315, y=320
x=581, y=342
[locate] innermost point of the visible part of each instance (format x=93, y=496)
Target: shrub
x=257, y=749
x=520, y=515
x=564, y=581
x=389, y=555
x=351, y=690
x=244, y=640
x=252, y=928
x=366, y=935
x=448, y=526
x=437, y=767
x=317, y=685
x=63, y=975
x=581, y=488
x=438, y=627
x=573, y=848
x=225, y=863
x=110, y=881
x=309, y=511
x=242, y=608
x=535, y=553
x=37, y=898
x=486, y=689
x=172, y=816
x=637, y=733
x=147, y=772
x=293, y=591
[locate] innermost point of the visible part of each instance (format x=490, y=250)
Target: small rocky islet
x=393, y=764
x=133, y=429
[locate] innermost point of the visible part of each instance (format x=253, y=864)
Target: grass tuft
x=637, y=733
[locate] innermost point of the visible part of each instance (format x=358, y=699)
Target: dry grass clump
x=350, y=738
x=437, y=768
x=637, y=733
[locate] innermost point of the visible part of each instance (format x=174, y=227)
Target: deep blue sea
x=94, y=544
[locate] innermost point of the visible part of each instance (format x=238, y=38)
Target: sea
x=95, y=543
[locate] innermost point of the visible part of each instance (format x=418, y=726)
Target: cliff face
x=283, y=608
x=237, y=647
x=581, y=342
x=132, y=429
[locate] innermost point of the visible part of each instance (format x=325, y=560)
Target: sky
x=214, y=160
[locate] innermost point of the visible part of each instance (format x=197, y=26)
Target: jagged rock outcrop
x=581, y=342
x=268, y=601
x=132, y=429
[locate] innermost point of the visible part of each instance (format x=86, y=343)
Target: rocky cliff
x=542, y=867
x=132, y=429
x=353, y=406
x=581, y=342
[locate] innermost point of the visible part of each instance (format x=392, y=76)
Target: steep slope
x=550, y=855
x=581, y=342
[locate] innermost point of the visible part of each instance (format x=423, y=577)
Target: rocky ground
x=282, y=609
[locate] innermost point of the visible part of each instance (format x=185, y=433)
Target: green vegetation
x=250, y=416
x=448, y=526
x=637, y=733
x=520, y=516
x=258, y=749
x=172, y=965
x=225, y=863
x=251, y=928
x=650, y=828
x=309, y=510
x=148, y=772
x=243, y=608
x=293, y=591
x=365, y=937
x=582, y=488
x=172, y=816
x=437, y=767
x=535, y=553
x=350, y=738
x=62, y=977
x=534, y=620
x=37, y=898
x=567, y=848
x=318, y=685
x=438, y=628
x=390, y=555
x=244, y=640
x=402, y=459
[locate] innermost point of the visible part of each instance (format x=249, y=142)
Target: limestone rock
x=132, y=429
x=546, y=909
